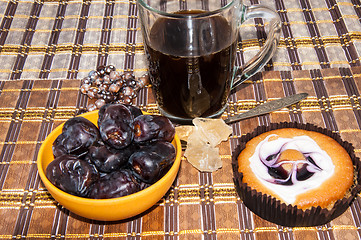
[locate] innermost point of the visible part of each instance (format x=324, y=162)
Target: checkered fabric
x=67, y=39
x=46, y=47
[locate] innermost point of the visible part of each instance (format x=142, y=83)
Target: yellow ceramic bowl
x=106, y=209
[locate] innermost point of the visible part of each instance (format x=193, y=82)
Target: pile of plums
x=126, y=153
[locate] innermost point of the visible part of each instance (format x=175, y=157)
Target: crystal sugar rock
x=202, y=139
x=184, y=131
x=202, y=155
x=214, y=131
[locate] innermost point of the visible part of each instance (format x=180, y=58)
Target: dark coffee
x=191, y=70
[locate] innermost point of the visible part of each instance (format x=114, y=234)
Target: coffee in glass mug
x=191, y=52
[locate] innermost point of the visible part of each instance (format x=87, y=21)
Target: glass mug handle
x=268, y=49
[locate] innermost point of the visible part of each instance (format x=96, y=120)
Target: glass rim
x=180, y=16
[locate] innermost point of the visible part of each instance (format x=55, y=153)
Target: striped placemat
x=48, y=46
x=66, y=39
x=200, y=205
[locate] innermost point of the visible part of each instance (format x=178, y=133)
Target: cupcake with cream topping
x=296, y=174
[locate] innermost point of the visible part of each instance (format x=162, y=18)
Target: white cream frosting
x=304, y=144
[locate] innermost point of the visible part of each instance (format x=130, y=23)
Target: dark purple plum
x=117, y=112
x=116, y=125
x=116, y=134
x=107, y=108
x=134, y=110
x=143, y=185
x=152, y=162
x=107, y=159
x=146, y=166
x=78, y=134
x=153, y=128
x=72, y=175
x=115, y=184
x=163, y=148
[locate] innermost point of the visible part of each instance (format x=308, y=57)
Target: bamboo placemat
x=48, y=46
x=200, y=205
x=66, y=39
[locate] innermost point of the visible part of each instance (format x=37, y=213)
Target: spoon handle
x=268, y=107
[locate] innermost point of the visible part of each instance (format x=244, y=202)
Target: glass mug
x=191, y=49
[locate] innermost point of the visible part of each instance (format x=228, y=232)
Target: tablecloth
x=47, y=47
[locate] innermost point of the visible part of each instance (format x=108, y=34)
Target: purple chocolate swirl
x=288, y=179
x=301, y=169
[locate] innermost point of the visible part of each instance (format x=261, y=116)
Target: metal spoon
x=268, y=107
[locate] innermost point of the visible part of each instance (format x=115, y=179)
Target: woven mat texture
x=67, y=39
x=46, y=47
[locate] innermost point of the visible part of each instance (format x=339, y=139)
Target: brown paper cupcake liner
x=273, y=210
